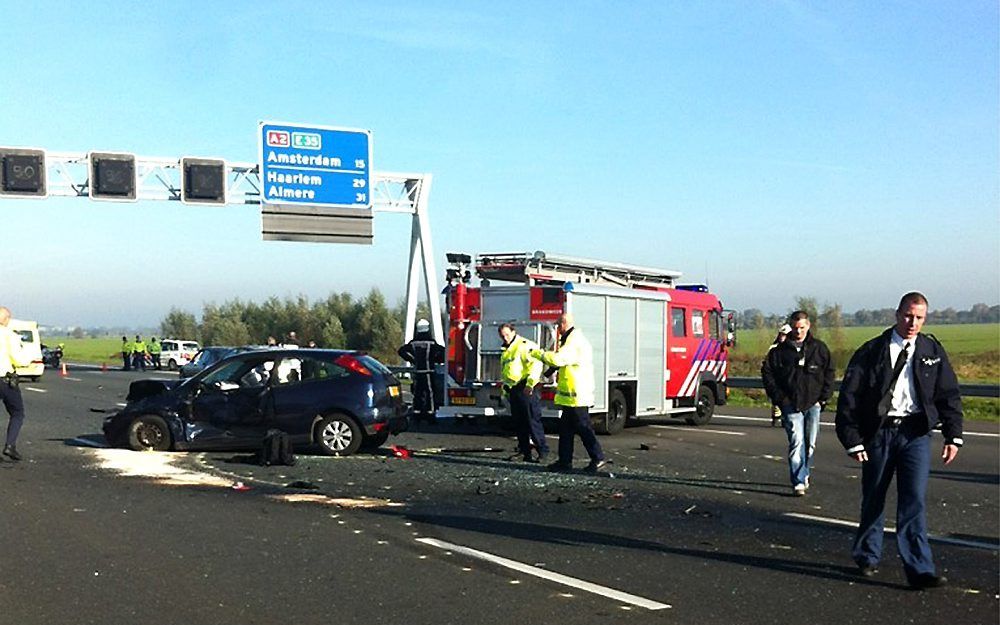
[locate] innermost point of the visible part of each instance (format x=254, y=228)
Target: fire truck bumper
x=451, y=412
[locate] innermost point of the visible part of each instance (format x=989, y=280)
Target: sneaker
x=807, y=483
x=11, y=452
x=529, y=458
x=867, y=570
x=799, y=490
x=596, y=465
x=559, y=467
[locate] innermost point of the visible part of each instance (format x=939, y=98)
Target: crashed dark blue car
x=339, y=401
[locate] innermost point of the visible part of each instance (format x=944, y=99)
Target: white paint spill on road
x=343, y=502
x=976, y=544
x=558, y=578
x=681, y=428
x=156, y=465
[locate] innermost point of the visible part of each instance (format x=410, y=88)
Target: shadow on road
x=578, y=537
x=964, y=476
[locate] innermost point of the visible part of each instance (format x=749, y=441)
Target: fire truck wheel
x=704, y=406
x=613, y=421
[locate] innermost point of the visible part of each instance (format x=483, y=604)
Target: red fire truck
x=659, y=348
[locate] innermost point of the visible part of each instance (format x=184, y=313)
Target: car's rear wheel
x=149, y=432
x=338, y=435
x=376, y=440
x=172, y=364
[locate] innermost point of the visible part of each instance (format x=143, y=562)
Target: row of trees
x=832, y=315
x=337, y=322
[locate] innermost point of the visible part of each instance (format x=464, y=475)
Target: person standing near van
x=798, y=378
x=154, y=352
x=11, y=356
x=126, y=354
x=139, y=354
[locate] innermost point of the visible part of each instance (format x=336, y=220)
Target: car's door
x=231, y=403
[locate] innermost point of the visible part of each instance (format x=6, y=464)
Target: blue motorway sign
x=315, y=165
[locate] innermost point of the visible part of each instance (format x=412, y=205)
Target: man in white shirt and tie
x=897, y=388
x=12, y=355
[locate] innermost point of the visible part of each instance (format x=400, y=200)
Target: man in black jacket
x=897, y=387
x=423, y=352
x=798, y=378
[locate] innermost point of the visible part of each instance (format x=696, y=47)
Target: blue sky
x=842, y=150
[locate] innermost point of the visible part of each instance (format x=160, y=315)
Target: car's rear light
x=38, y=362
x=352, y=364
x=393, y=391
x=459, y=392
x=547, y=395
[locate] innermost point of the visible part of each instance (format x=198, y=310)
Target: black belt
x=894, y=421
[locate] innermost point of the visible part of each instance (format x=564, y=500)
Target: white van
x=176, y=353
x=32, y=345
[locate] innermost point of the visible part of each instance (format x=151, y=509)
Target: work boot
x=559, y=467
x=11, y=452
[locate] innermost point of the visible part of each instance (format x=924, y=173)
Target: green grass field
x=92, y=350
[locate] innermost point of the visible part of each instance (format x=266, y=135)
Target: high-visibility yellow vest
x=576, y=370
x=154, y=347
x=127, y=347
x=517, y=363
x=139, y=347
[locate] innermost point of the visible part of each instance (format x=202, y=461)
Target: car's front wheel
x=338, y=435
x=149, y=432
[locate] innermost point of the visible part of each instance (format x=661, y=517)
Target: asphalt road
x=698, y=519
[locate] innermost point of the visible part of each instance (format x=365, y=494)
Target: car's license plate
x=463, y=401
x=393, y=391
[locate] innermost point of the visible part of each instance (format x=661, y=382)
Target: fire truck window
x=697, y=323
x=715, y=325
x=677, y=326
x=550, y=296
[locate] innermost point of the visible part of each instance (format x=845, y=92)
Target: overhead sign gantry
x=334, y=190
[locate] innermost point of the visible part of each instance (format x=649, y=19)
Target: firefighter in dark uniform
x=423, y=352
x=897, y=388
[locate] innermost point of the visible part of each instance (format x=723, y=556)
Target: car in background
x=32, y=346
x=339, y=401
x=176, y=353
x=206, y=357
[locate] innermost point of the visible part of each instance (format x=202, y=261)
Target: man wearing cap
x=798, y=378
x=12, y=355
x=897, y=388
x=783, y=333
x=423, y=352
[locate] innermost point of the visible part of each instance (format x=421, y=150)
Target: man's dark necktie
x=897, y=369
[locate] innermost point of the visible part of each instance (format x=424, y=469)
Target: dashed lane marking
x=976, y=544
x=697, y=429
x=73, y=379
x=35, y=390
x=558, y=578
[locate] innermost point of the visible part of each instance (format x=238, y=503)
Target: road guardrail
x=967, y=390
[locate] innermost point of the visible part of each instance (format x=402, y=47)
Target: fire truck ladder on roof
x=542, y=268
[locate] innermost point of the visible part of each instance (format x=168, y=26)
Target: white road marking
x=73, y=379
x=35, y=390
x=558, y=578
x=892, y=530
x=122, y=404
x=830, y=424
x=697, y=429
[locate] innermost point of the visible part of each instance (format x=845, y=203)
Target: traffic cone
x=63, y=371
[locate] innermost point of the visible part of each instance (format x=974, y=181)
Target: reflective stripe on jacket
x=576, y=370
x=517, y=363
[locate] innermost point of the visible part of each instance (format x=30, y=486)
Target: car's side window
x=313, y=369
x=258, y=375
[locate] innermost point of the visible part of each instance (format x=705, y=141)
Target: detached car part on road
x=337, y=400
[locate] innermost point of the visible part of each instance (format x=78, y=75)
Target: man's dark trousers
x=894, y=450
x=576, y=420
x=12, y=401
x=527, y=415
x=126, y=361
